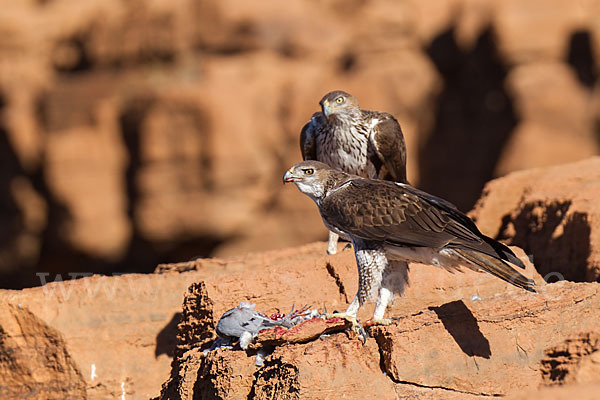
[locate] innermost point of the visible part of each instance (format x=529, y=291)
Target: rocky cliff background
x=455, y=336
x=139, y=132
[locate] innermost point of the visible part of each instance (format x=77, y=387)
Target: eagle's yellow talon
x=378, y=321
x=356, y=326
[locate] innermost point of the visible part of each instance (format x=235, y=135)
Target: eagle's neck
x=345, y=120
x=319, y=190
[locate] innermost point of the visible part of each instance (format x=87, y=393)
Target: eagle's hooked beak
x=326, y=106
x=288, y=176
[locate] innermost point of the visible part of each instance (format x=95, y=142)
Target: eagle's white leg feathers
x=385, y=296
x=333, y=241
x=395, y=280
x=353, y=307
x=371, y=262
x=378, y=278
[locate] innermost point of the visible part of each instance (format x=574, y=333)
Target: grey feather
x=244, y=320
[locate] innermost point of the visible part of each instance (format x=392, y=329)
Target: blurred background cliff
x=144, y=131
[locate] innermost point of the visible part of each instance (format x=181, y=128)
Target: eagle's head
x=314, y=178
x=339, y=102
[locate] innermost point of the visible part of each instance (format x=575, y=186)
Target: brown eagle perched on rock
x=392, y=223
x=360, y=142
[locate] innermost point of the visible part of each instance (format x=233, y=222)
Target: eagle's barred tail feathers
x=498, y=268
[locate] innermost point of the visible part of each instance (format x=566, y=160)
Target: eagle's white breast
x=345, y=147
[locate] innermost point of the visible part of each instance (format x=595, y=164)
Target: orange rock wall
x=145, y=131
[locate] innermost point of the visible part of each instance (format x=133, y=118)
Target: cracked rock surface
x=551, y=213
x=456, y=336
x=462, y=335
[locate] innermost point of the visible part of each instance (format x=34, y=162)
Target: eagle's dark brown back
x=405, y=216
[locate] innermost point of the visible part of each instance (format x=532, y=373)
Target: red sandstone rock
x=552, y=213
x=171, y=122
x=34, y=359
x=474, y=322
x=446, y=342
x=567, y=392
x=576, y=360
x=553, y=129
x=491, y=347
x=94, y=338
x=162, y=128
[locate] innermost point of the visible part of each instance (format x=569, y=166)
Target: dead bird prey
x=243, y=323
x=390, y=224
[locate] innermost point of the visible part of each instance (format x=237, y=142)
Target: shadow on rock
x=556, y=236
x=462, y=325
x=166, y=340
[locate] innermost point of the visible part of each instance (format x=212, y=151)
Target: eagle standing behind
x=390, y=224
x=359, y=142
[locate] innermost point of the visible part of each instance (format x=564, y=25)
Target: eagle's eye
x=309, y=171
x=339, y=100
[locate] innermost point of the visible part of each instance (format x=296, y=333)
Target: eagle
x=393, y=223
x=360, y=142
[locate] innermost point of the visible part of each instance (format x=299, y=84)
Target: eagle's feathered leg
x=353, y=307
x=395, y=280
x=371, y=262
x=333, y=241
